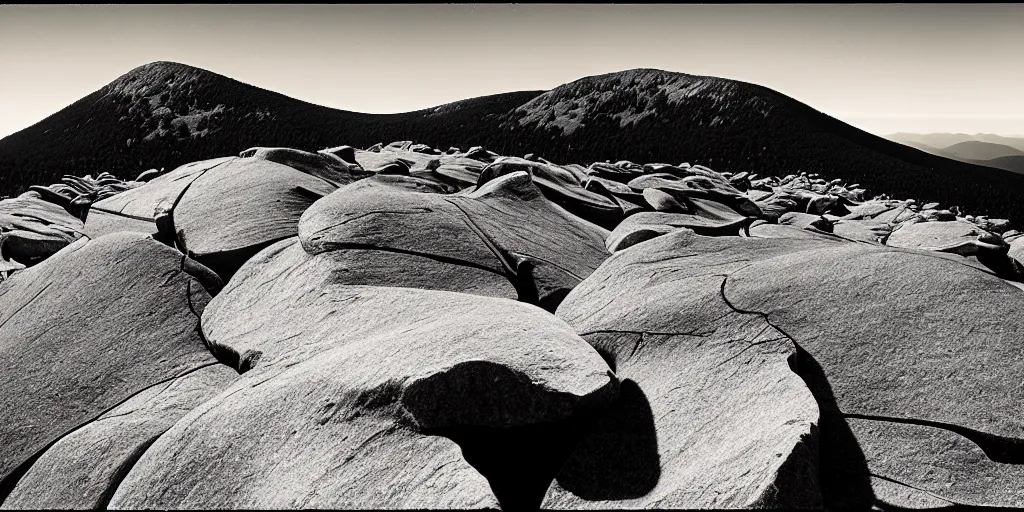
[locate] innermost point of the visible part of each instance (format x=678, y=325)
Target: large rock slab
x=706, y=218
x=957, y=236
x=890, y=335
x=324, y=165
x=938, y=462
x=140, y=202
x=358, y=394
x=99, y=223
x=83, y=469
x=561, y=186
x=32, y=230
x=869, y=209
x=236, y=209
x=29, y=213
x=901, y=336
x=714, y=417
x=506, y=227
x=87, y=329
x=862, y=230
x=714, y=189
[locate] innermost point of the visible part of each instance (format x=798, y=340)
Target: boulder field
x=402, y=327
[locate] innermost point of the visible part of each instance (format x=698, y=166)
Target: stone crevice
x=904, y=484
x=338, y=246
x=1001, y=449
x=414, y=210
x=8, y=483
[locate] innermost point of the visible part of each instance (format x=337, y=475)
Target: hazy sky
x=881, y=67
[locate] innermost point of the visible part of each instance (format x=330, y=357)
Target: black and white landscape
x=641, y=289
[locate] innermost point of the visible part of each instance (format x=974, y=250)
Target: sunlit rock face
x=402, y=326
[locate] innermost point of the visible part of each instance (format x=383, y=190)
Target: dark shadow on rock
x=550, y=301
x=618, y=458
x=843, y=471
x=881, y=505
x=796, y=484
x=525, y=280
x=608, y=357
x=1001, y=264
x=10, y=480
x=226, y=263
x=519, y=462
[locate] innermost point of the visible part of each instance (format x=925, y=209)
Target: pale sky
x=881, y=67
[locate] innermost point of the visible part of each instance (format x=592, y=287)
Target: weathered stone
x=507, y=228
x=100, y=223
x=707, y=218
x=960, y=237
x=939, y=462
x=414, y=365
x=234, y=210
x=710, y=414
x=83, y=469
x=561, y=187
x=805, y=220
x=942, y=354
x=140, y=202
x=326, y=166
x=869, y=210
x=88, y=328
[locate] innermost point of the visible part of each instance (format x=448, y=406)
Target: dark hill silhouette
x=173, y=114
x=732, y=126
x=979, y=150
x=165, y=114
x=923, y=147
x=943, y=140
x=1012, y=163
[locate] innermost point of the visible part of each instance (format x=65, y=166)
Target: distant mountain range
x=166, y=114
x=981, y=149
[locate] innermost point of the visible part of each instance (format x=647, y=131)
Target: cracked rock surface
x=405, y=327
x=233, y=210
x=342, y=410
x=505, y=228
x=726, y=423
x=83, y=468
x=67, y=360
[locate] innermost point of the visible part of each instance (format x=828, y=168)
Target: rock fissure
x=415, y=210
x=1001, y=449
x=336, y=246
x=904, y=484
x=26, y=304
x=8, y=482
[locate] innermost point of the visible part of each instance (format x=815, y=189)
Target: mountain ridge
x=165, y=114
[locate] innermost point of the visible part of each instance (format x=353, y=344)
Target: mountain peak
x=159, y=72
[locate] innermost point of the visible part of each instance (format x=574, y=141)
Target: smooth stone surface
x=507, y=227
x=99, y=223
x=142, y=201
x=234, y=210
x=869, y=210
x=715, y=417
x=562, y=187
x=32, y=230
x=862, y=230
x=707, y=218
x=326, y=166
x=83, y=469
x=960, y=237
x=345, y=407
x=88, y=328
x=939, y=462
